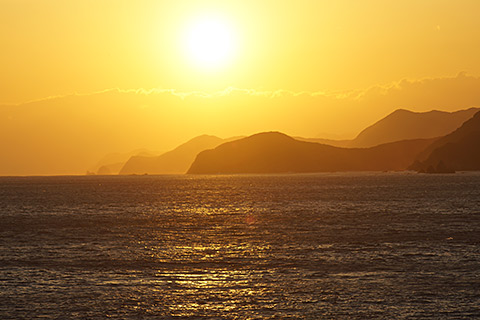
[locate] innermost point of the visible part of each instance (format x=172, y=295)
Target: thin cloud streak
x=355, y=95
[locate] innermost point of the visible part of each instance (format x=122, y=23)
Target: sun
x=209, y=43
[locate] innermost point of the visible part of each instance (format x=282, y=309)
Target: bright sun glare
x=209, y=43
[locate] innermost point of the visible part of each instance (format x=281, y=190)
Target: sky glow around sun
x=209, y=43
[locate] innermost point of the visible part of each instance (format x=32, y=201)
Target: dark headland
x=457, y=151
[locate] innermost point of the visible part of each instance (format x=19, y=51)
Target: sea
x=294, y=246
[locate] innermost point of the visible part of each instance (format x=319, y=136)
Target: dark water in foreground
x=239, y=247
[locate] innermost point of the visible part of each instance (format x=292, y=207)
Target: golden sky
x=80, y=79
x=58, y=47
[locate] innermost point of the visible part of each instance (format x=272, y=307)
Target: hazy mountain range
x=392, y=143
x=405, y=125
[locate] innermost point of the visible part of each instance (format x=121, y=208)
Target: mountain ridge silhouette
x=275, y=152
x=180, y=159
x=403, y=124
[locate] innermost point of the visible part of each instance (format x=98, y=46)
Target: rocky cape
x=457, y=151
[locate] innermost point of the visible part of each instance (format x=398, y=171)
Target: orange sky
x=116, y=75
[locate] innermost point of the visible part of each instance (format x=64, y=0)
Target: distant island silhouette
x=112, y=163
x=175, y=161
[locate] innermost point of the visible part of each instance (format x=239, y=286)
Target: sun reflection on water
x=212, y=290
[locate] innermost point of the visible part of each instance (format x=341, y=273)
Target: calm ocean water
x=352, y=246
